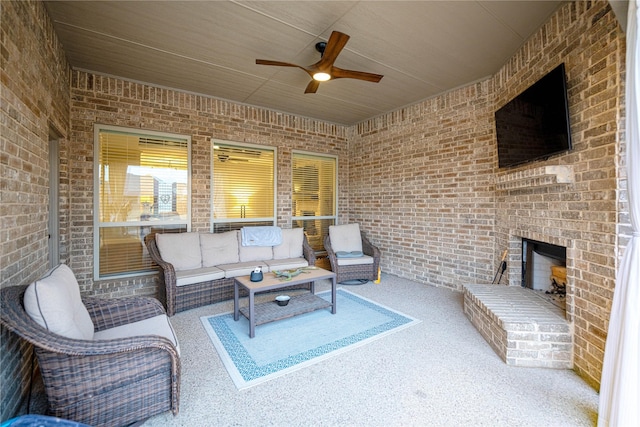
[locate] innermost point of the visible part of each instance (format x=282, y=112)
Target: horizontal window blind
x=243, y=185
x=143, y=188
x=314, y=195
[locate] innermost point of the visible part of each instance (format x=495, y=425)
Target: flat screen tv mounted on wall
x=535, y=124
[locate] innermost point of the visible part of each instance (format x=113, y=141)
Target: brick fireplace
x=544, y=271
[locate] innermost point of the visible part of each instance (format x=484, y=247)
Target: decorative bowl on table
x=283, y=300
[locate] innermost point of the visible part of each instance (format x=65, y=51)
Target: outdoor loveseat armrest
x=308, y=253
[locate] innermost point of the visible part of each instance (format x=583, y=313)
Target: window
x=243, y=186
x=144, y=187
x=314, y=196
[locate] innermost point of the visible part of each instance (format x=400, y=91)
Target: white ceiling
x=422, y=48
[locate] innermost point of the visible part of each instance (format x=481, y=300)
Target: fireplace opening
x=544, y=269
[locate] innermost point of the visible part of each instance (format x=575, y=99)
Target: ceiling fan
x=324, y=70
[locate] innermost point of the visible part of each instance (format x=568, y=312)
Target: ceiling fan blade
x=312, y=87
x=336, y=43
x=277, y=63
x=283, y=64
x=338, y=73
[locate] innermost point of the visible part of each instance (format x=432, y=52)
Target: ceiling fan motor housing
x=321, y=46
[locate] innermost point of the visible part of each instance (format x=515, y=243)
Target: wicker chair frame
x=181, y=298
x=103, y=382
x=354, y=272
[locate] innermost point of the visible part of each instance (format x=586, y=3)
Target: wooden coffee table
x=270, y=311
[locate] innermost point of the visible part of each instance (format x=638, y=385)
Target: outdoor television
x=535, y=124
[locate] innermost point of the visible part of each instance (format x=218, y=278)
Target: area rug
x=291, y=344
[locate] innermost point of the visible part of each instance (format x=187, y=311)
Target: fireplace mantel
x=536, y=177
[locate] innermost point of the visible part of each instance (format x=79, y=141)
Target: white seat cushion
x=219, y=248
x=158, y=325
x=365, y=259
x=242, y=268
x=197, y=275
x=54, y=302
x=291, y=246
x=286, y=264
x=345, y=238
x=182, y=250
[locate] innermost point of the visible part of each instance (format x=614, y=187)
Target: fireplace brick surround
x=522, y=328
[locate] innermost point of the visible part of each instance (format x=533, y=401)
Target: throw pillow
x=54, y=303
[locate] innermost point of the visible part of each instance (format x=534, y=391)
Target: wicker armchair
x=352, y=269
x=112, y=382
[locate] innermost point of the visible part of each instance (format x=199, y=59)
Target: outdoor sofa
x=198, y=269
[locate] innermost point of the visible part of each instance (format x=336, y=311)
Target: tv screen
x=535, y=124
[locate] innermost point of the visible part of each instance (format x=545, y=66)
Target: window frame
x=98, y=226
x=274, y=218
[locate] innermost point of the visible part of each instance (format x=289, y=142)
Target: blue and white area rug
x=291, y=344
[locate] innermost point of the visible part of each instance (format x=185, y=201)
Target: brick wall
x=421, y=184
x=35, y=99
x=582, y=216
x=424, y=182
x=112, y=101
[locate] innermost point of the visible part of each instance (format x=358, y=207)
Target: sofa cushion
x=291, y=246
x=241, y=268
x=286, y=264
x=197, y=275
x=253, y=253
x=54, y=302
x=219, y=248
x=345, y=238
x=158, y=325
x=182, y=250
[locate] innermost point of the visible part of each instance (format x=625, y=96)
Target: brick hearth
x=522, y=328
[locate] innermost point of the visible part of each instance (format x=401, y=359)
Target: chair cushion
x=219, y=248
x=157, y=325
x=54, y=302
x=345, y=238
x=353, y=254
x=182, y=250
x=291, y=246
x=363, y=260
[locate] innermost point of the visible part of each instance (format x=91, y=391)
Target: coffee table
x=270, y=311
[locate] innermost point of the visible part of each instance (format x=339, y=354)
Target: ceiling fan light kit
x=324, y=70
x=321, y=76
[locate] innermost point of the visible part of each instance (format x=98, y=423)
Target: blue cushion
x=352, y=254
